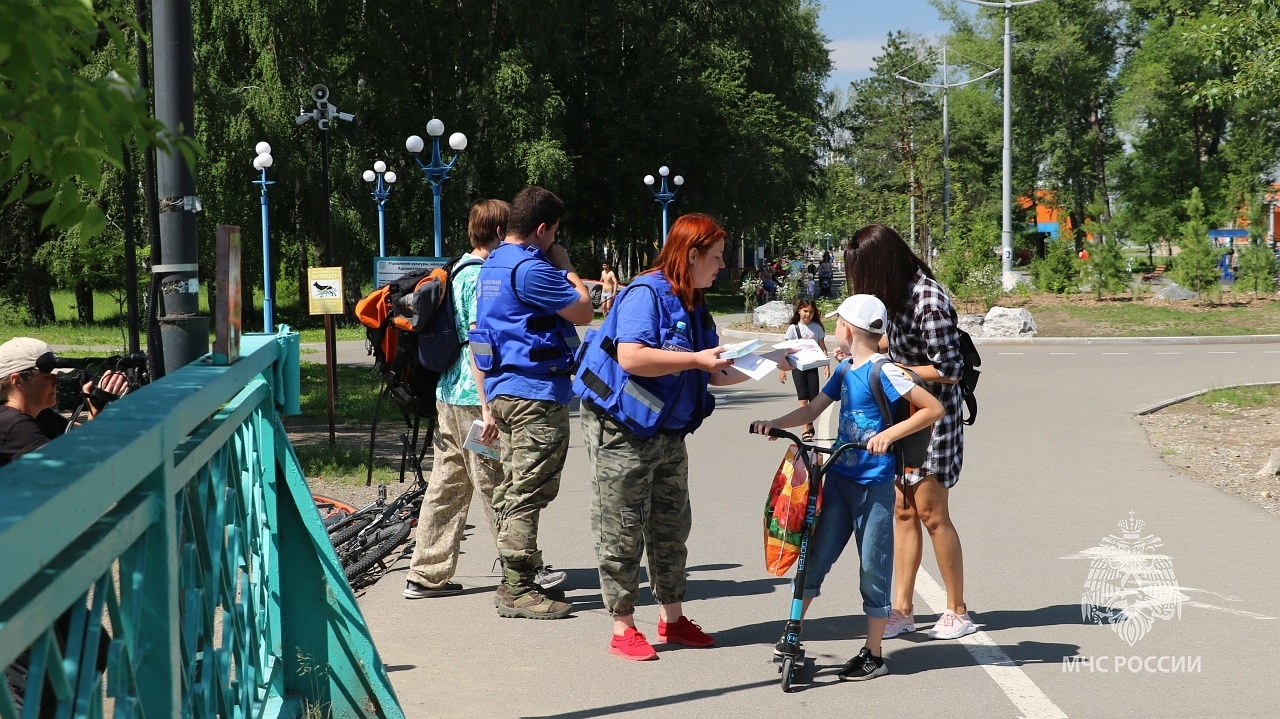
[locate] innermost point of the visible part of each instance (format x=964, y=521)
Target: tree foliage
x=1197, y=267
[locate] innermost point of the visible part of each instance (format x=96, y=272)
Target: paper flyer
x=474, y=444
x=740, y=349
x=755, y=366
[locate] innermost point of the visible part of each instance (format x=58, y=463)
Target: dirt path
x=1221, y=445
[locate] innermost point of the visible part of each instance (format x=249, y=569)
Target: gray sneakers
x=546, y=576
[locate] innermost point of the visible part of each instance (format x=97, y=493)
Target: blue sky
x=856, y=30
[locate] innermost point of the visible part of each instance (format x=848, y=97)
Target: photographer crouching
x=29, y=392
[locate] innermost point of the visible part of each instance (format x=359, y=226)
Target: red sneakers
x=632, y=645
x=684, y=632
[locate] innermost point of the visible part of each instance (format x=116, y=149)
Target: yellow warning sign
x=324, y=287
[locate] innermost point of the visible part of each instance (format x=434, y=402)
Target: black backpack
x=439, y=344
x=913, y=448
x=969, y=375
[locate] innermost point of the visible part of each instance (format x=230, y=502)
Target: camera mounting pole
x=325, y=113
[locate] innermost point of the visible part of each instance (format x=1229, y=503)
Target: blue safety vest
x=647, y=405
x=510, y=334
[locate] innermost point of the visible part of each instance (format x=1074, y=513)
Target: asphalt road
x=1053, y=464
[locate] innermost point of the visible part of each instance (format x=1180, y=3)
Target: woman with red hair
x=643, y=382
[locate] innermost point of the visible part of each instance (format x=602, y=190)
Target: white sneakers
x=949, y=626
x=952, y=626
x=899, y=623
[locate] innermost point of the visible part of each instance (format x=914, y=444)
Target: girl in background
x=805, y=325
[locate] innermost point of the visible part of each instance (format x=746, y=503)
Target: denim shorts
x=864, y=511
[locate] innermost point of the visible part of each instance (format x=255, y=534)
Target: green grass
x=1139, y=319
x=109, y=326
x=356, y=399
x=1241, y=397
x=343, y=464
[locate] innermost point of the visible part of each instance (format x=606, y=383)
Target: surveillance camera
x=304, y=117
x=320, y=93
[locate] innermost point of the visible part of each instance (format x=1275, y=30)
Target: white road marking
x=1008, y=353
x=1062, y=353
x=1016, y=685
x=1115, y=353
x=1222, y=353
x=1168, y=353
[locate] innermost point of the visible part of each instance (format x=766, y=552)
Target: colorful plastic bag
x=784, y=512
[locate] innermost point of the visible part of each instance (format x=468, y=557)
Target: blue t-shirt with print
x=540, y=285
x=860, y=418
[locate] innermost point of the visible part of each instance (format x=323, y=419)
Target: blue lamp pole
x=437, y=171
x=261, y=163
x=380, y=181
x=664, y=195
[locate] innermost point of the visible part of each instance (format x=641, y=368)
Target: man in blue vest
x=529, y=301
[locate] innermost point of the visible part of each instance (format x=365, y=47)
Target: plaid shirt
x=925, y=334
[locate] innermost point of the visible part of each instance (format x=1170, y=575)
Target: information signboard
x=386, y=269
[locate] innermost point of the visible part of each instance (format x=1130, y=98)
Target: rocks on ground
x=1177, y=293
x=1008, y=322
x=772, y=314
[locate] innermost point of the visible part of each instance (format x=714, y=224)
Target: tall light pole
x=324, y=114
x=437, y=171
x=945, y=86
x=1006, y=231
x=261, y=163
x=664, y=195
x=380, y=180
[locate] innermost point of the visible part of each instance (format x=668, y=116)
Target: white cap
x=864, y=312
x=20, y=354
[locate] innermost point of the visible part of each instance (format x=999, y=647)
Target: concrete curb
x=1062, y=341
x=1192, y=395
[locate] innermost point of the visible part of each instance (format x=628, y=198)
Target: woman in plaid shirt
x=922, y=336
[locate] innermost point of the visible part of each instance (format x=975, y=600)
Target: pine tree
x=1106, y=267
x=1257, y=265
x=1197, y=266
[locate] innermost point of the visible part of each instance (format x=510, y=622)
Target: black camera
x=70, y=392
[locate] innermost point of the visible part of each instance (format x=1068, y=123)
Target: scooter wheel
x=788, y=669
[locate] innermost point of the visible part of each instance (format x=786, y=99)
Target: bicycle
x=363, y=538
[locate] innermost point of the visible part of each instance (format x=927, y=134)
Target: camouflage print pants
x=641, y=500
x=535, y=440
x=455, y=474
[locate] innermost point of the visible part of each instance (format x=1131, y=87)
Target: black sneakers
x=413, y=590
x=863, y=667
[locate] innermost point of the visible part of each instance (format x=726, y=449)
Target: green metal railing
x=166, y=560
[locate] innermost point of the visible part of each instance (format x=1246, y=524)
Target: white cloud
x=854, y=54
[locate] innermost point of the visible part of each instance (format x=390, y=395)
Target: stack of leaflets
x=740, y=349
x=807, y=355
x=474, y=443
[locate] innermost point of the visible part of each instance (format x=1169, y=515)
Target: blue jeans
x=864, y=511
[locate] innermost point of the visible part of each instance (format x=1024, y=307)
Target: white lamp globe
x=263, y=148
x=390, y=177
x=369, y=176
x=413, y=144
x=648, y=179
x=379, y=166
x=678, y=180
x=458, y=141
x=257, y=164
x=435, y=127
x=664, y=170
x=265, y=160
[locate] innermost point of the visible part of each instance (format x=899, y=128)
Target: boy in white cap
x=28, y=392
x=857, y=496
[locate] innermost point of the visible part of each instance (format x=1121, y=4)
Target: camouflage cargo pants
x=640, y=501
x=455, y=474
x=535, y=440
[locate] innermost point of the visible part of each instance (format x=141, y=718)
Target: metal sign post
x=324, y=287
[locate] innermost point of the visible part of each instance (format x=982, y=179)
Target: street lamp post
x=261, y=163
x=946, y=85
x=1006, y=230
x=437, y=171
x=664, y=195
x=380, y=180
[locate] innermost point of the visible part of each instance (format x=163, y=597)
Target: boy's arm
x=929, y=411
x=797, y=417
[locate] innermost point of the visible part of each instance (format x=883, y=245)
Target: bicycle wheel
x=351, y=529
x=364, y=562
